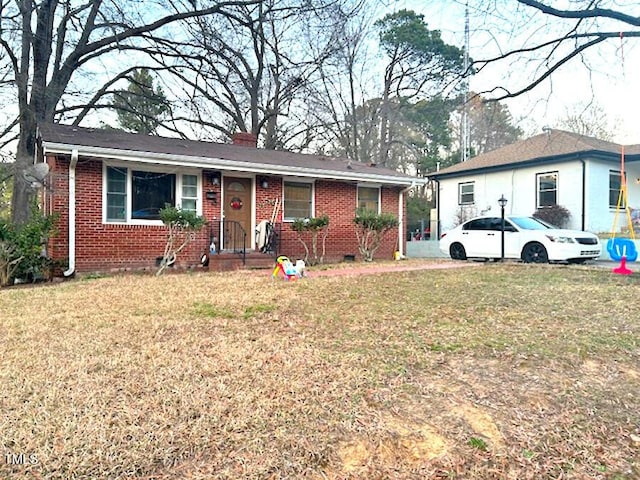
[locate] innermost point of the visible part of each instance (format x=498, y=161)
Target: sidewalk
x=398, y=266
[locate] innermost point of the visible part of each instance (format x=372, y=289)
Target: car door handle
x=465, y=233
x=491, y=234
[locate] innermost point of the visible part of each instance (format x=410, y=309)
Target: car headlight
x=557, y=239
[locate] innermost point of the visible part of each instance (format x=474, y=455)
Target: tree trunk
x=22, y=191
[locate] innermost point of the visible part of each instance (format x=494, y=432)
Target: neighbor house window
x=615, y=184
x=297, y=200
x=151, y=191
x=189, y=199
x=547, y=185
x=369, y=199
x=140, y=195
x=466, y=193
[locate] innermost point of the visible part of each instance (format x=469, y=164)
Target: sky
x=607, y=75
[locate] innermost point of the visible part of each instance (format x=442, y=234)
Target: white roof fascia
x=221, y=164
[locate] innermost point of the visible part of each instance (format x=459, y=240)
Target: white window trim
x=556, y=173
x=370, y=185
x=313, y=195
x=460, y=185
x=130, y=167
x=622, y=205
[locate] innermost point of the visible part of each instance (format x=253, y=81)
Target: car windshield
x=530, y=223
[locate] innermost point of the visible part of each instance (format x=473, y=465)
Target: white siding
x=519, y=188
x=600, y=216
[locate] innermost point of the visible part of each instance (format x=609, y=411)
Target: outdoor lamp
x=212, y=196
x=502, y=202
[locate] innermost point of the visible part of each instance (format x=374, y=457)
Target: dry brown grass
x=500, y=371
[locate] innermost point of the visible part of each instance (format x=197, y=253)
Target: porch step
x=230, y=261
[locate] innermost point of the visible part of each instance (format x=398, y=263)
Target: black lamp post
x=502, y=202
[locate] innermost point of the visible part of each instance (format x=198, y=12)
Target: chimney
x=244, y=139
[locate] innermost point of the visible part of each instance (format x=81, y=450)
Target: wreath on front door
x=236, y=203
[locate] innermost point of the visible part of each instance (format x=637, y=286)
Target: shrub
x=181, y=224
x=22, y=248
x=556, y=215
x=314, y=226
x=371, y=229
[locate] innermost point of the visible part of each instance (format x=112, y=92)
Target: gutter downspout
x=401, y=219
x=437, y=197
x=584, y=193
x=72, y=214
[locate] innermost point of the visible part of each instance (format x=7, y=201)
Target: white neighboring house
x=555, y=168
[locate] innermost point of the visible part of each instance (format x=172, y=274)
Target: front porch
x=228, y=247
x=227, y=261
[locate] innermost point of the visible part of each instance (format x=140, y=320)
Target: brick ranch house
x=107, y=186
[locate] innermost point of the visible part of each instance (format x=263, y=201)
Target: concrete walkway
x=401, y=266
x=356, y=269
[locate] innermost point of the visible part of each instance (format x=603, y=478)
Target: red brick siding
x=338, y=200
x=103, y=247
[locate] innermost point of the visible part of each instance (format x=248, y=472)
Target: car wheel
x=535, y=253
x=457, y=251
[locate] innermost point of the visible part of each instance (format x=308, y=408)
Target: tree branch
x=589, y=13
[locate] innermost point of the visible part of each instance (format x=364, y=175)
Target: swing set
x=622, y=249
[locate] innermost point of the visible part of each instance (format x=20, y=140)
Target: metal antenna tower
x=465, y=130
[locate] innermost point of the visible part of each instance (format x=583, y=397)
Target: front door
x=237, y=213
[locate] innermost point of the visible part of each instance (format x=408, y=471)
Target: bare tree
x=343, y=84
x=590, y=120
x=549, y=38
x=57, y=52
x=248, y=71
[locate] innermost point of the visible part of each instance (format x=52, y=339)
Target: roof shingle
x=551, y=144
x=208, y=151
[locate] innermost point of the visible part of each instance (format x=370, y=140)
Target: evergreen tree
x=142, y=106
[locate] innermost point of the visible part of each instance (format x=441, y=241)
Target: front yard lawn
x=504, y=371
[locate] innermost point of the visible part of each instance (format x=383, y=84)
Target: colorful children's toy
x=286, y=268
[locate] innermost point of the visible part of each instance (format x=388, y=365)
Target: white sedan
x=526, y=238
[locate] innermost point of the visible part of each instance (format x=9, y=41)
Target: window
x=116, y=194
x=478, y=224
x=189, y=192
x=368, y=199
x=547, y=184
x=297, y=200
x=139, y=195
x=466, y=193
x=615, y=184
x=151, y=191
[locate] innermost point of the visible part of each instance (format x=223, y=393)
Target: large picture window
x=151, y=191
x=139, y=195
x=297, y=200
x=369, y=199
x=547, y=186
x=466, y=193
x=615, y=184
